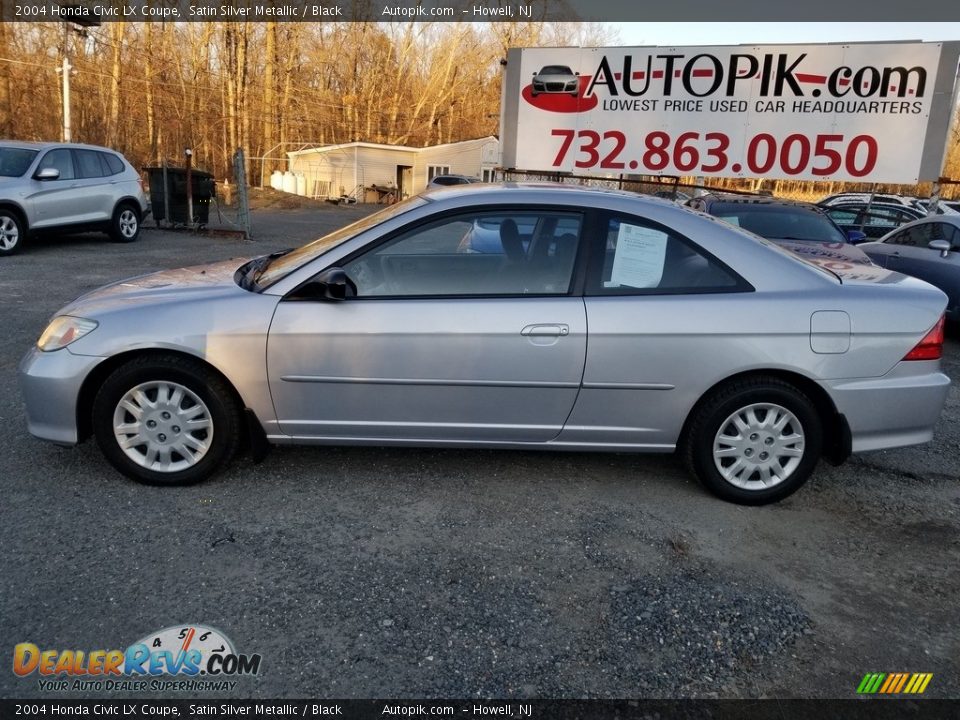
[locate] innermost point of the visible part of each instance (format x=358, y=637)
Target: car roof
x=45, y=144
x=775, y=204
x=537, y=192
x=948, y=219
x=874, y=204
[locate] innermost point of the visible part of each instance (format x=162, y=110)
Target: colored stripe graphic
x=894, y=683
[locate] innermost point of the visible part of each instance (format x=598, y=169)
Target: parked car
x=928, y=249
x=626, y=324
x=798, y=226
x=445, y=180
x=944, y=207
x=872, y=220
x=66, y=188
x=886, y=198
x=555, y=79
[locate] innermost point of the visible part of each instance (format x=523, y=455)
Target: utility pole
x=64, y=70
x=65, y=66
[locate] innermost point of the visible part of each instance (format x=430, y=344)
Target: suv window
x=14, y=162
x=62, y=160
x=641, y=258
x=114, y=164
x=475, y=253
x=90, y=163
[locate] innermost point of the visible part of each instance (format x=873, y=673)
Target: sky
x=664, y=33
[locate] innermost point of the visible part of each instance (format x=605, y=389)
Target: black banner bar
x=93, y=12
x=861, y=709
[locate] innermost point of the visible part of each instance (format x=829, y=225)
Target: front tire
x=166, y=420
x=754, y=441
x=125, y=226
x=11, y=232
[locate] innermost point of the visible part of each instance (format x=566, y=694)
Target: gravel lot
x=427, y=573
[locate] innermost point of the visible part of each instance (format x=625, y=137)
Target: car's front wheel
x=166, y=420
x=11, y=232
x=125, y=226
x=754, y=441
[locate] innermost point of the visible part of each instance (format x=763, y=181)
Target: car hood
x=189, y=283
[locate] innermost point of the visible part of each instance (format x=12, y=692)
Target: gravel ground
x=428, y=573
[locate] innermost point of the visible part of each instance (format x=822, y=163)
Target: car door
x=94, y=179
x=655, y=301
x=61, y=201
x=440, y=343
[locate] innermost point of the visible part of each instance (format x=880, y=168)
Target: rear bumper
x=50, y=383
x=901, y=408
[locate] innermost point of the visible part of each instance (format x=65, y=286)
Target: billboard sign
x=873, y=112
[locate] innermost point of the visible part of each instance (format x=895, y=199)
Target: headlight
x=64, y=330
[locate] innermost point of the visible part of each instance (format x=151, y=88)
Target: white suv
x=68, y=188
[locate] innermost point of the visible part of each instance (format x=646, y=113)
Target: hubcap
x=9, y=234
x=759, y=446
x=128, y=223
x=163, y=426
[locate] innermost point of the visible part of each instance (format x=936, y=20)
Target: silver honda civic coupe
x=607, y=322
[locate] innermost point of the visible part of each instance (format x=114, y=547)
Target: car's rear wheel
x=125, y=226
x=11, y=232
x=166, y=420
x=754, y=441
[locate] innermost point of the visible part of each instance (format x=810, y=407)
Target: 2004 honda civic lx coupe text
x=609, y=322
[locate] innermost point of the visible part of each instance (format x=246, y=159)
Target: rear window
x=779, y=223
x=114, y=163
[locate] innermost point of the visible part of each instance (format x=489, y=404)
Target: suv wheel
x=11, y=232
x=125, y=226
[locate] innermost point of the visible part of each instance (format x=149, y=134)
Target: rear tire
x=167, y=420
x=125, y=225
x=754, y=441
x=11, y=232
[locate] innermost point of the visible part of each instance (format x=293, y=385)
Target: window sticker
x=732, y=219
x=639, y=258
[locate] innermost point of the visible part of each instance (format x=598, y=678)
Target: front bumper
x=50, y=383
x=901, y=408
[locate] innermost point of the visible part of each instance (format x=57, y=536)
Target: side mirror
x=941, y=245
x=332, y=284
x=50, y=173
x=856, y=236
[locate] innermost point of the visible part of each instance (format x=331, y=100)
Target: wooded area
x=153, y=89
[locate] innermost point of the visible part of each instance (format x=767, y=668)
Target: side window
x=640, y=258
x=953, y=235
x=114, y=164
x=90, y=164
x=945, y=231
x=881, y=218
x=476, y=253
x=901, y=238
x=62, y=160
x=843, y=216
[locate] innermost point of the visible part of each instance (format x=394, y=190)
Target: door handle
x=554, y=330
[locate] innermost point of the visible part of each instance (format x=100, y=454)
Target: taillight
x=931, y=347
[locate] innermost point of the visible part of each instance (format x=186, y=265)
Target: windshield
x=15, y=161
x=781, y=222
x=280, y=266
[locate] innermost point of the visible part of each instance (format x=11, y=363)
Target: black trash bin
x=173, y=195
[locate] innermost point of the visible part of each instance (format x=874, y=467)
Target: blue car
x=928, y=249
